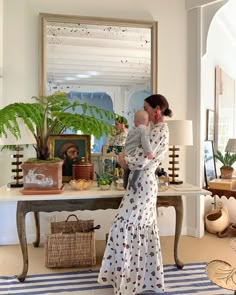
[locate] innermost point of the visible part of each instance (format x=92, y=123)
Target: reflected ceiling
x=86, y=54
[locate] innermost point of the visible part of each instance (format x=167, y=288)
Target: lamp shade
x=180, y=132
x=231, y=146
x=25, y=138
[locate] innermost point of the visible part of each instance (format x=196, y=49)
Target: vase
x=217, y=220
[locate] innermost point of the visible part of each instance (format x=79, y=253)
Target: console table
x=93, y=199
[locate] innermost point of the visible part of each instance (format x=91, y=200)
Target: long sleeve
x=145, y=140
x=159, y=139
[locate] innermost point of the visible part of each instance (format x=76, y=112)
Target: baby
x=137, y=136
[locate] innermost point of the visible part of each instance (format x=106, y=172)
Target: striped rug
x=190, y=280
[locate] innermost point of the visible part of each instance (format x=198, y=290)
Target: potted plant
x=227, y=160
x=49, y=115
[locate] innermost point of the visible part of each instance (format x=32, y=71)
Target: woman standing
x=132, y=261
x=116, y=141
x=120, y=135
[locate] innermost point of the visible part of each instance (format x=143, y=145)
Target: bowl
x=105, y=187
x=81, y=184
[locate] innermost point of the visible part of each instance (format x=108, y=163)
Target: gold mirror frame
x=45, y=18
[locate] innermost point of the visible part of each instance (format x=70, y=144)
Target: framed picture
x=209, y=162
x=109, y=163
x=210, y=123
x=71, y=148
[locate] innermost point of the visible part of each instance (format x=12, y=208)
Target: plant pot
x=45, y=175
x=217, y=220
x=226, y=172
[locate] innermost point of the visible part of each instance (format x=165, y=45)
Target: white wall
x=20, y=62
x=1, y=48
x=220, y=47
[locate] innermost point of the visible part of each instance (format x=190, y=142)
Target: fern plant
x=53, y=115
x=227, y=159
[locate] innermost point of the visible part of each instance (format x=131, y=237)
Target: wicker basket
x=67, y=247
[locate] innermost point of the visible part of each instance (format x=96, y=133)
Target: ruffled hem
x=132, y=261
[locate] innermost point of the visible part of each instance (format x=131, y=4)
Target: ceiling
x=88, y=54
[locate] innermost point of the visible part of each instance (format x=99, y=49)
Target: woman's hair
x=155, y=100
x=122, y=120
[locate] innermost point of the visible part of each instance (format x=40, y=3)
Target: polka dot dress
x=132, y=261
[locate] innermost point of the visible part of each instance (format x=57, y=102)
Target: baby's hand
x=150, y=155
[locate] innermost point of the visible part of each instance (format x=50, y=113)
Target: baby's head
x=141, y=118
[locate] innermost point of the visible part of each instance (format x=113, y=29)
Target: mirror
x=79, y=52
x=225, y=108
x=111, y=63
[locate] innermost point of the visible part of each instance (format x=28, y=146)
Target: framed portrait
x=210, y=124
x=71, y=148
x=209, y=162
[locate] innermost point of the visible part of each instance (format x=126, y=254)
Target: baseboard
x=13, y=240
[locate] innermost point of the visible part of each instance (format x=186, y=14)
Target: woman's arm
x=159, y=139
x=121, y=160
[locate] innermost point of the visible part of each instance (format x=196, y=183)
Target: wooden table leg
x=178, y=227
x=37, y=225
x=20, y=217
x=177, y=203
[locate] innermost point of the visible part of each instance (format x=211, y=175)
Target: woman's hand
x=121, y=160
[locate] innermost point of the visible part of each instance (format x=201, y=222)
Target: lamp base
x=15, y=184
x=176, y=182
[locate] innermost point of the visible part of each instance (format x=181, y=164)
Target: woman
x=120, y=135
x=132, y=261
x=116, y=141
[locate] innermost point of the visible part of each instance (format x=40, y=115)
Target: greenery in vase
x=54, y=114
x=227, y=159
x=104, y=179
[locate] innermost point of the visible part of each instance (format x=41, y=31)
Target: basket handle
x=72, y=215
x=84, y=231
x=92, y=228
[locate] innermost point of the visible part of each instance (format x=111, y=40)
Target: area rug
x=190, y=280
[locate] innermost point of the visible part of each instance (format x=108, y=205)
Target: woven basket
x=66, y=247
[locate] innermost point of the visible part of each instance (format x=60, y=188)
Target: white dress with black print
x=132, y=261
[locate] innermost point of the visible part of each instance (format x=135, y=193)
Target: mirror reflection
x=104, y=62
x=225, y=103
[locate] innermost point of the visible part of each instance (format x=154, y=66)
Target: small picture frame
x=71, y=148
x=109, y=164
x=209, y=162
x=210, y=118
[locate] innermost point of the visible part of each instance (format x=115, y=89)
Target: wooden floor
x=190, y=250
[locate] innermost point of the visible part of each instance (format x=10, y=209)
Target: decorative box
x=224, y=184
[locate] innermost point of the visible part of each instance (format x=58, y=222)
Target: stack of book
x=224, y=184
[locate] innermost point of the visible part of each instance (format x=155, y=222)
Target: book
x=224, y=184
x=185, y=187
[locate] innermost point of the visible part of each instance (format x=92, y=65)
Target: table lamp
x=10, y=140
x=231, y=146
x=180, y=133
